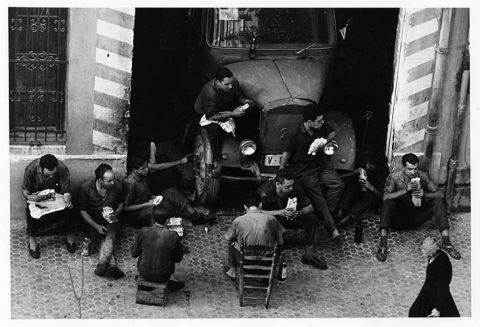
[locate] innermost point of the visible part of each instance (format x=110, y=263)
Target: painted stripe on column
x=121, y=48
x=128, y=11
x=112, y=74
x=421, y=43
x=412, y=11
x=420, y=71
x=105, y=140
x=109, y=101
x=422, y=16
x=420, y=97
x=411, y=139
x=116, y=17
x=418, y=111
x=112, y=88
x=421, y=30
x=113, y=60
x=114, y=31
x=420, y=57
x=418, y=85
x=106, y=114
x=415, y=124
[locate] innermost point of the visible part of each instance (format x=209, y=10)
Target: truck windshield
x=271, y=28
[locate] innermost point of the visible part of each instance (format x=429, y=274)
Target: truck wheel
x=206, y=186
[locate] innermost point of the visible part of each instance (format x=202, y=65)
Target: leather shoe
x=174, y=286
x=114, y=272
x=382, y=254
x=314, y=262
x=452, y=252
x=101, y=269
x=34, y=253
x=71, y=247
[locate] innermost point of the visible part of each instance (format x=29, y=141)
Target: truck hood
x=265, y=81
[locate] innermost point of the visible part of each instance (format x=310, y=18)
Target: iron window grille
x=37, y=70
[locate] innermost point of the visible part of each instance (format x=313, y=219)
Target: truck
x=280, y=57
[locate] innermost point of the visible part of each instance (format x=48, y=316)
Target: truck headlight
x=248, y=147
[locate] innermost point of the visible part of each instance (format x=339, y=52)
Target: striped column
x=113, y=70
x=416, y=56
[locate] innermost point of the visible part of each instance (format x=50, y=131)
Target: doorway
x=360, y=81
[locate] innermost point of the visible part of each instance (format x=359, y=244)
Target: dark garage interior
x=163, y=87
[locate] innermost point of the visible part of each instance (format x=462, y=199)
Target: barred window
x=37, y=68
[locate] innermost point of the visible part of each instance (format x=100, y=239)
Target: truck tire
x=207, y=187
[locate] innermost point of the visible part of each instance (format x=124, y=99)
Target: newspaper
x=228, y=126
x=316, y=144
x=41, y=208
x=292, y=204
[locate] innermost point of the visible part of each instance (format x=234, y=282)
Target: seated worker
x=361, y=193
x=98, y=193
x=139, y=204
x=400, y=212
x=314, y=170
x=163, y=172
x=275, y=194
x=219, y=100
x=158, y=249
x=41, y=174
x=253, y=228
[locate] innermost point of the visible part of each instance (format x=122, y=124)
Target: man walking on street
x=410, y=199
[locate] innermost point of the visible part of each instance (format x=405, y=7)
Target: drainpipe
x=437, y=86
x=452, y=164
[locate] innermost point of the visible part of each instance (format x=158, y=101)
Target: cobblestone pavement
x=355, y=284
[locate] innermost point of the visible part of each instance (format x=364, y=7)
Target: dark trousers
x=309, y=223
x=173, y=204
x=245, y=127
x=64, y=220
x=402, y=214
x=354, y=201
x=234, y=255
x=312, y=182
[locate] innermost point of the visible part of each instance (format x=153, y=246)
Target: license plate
x=273, y=160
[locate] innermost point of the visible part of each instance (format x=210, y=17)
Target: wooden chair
x=256, y=272
x=151, y=293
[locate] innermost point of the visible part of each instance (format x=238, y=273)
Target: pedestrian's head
x=104, y=175
x=252, y=199
x=313, y=116
x=430, y=246
x=410, y=164
x=224, y=79
x=284, y=182
x=48, y=165
x=139, y=165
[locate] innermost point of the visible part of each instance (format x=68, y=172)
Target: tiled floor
x=355, y=284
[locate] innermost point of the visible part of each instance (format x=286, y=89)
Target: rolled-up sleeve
x=28, y=179
x=231, y=234
x=64, y=179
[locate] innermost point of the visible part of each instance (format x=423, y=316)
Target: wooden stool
x=151, y=293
